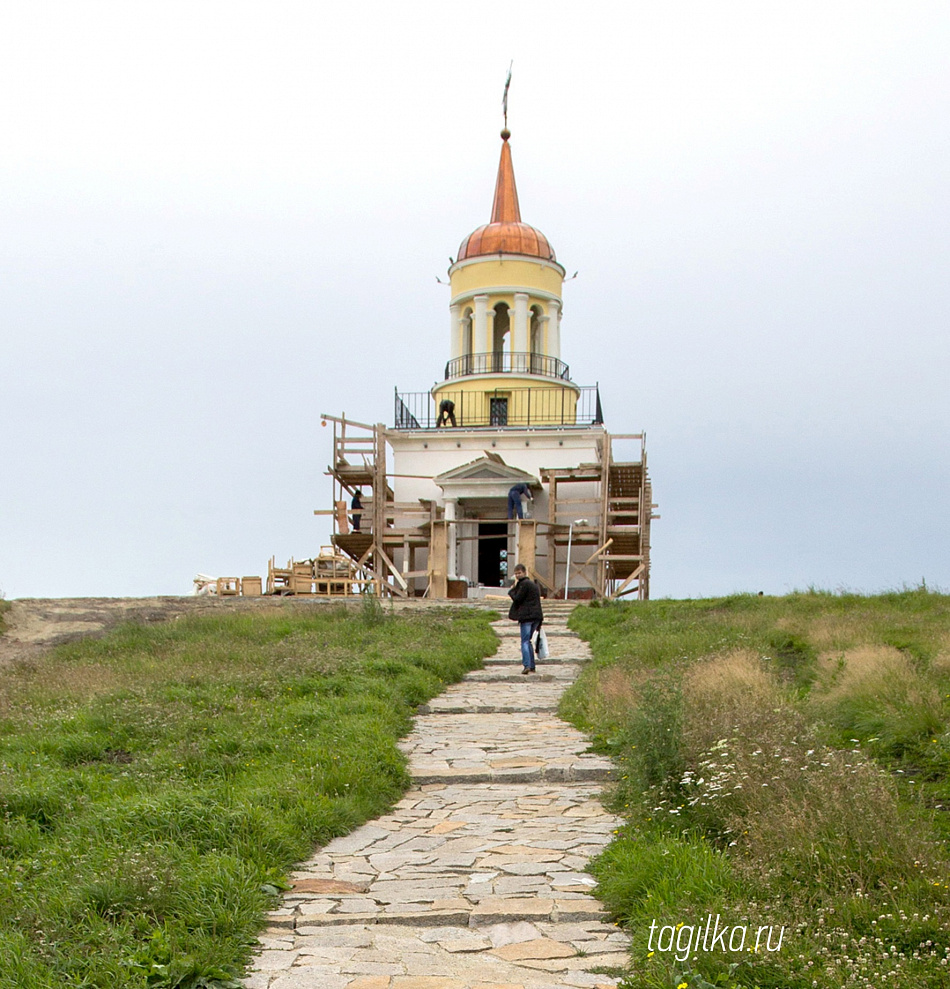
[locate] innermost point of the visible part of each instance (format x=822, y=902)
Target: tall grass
x=157, y=785
x=785, y=762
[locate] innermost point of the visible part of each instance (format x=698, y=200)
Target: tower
x=504, y=326
x=506, y=413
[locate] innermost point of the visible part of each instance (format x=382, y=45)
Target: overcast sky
x=218, y=220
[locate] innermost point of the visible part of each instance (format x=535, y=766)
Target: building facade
x=435, y=485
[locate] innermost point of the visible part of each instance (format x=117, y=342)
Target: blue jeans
x=527, y=650
x=515, y=506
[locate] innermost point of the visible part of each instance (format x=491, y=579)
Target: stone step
x=471, y=705
x=540, y=771
x=515, y=657
x=492, y=910
x=484, y=743
x=527, y=954
x=461, y=740
x=500, y=674
x=513, y=632
x=527, y=693
x=445, y=842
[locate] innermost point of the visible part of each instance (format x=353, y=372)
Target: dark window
x=498, y=409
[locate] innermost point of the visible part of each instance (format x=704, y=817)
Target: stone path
x=475, y=880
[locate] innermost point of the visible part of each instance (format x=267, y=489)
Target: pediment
x=486, y=470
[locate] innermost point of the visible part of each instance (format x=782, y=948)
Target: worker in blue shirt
x=514, y=499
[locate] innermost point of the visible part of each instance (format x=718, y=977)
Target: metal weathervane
x=504, y=102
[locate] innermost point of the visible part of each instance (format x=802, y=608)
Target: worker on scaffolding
x=515, y=494
x=446, y=412
x=357, y=505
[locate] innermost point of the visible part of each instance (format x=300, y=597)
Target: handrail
x=506, y=362
x=498, y=408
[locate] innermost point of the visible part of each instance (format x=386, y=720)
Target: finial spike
x=504, y=101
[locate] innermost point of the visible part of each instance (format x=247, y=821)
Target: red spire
x=505, y=208
x=506, y=234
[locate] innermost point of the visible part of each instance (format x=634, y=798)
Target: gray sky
x=218, y=220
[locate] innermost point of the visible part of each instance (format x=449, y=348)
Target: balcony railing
x=503, y=362
x=513, y=407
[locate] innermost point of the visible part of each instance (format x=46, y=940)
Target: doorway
x=492, y=553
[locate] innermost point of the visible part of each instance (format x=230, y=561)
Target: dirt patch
x=37, y=624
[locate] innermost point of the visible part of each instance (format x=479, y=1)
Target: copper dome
x=506, y=234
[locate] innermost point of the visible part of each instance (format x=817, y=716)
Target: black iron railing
x=514, y=407
x=507, y=363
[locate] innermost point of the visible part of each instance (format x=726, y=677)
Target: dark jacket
x=525, y=601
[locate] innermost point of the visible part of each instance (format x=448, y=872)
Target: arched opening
x=502, y=332
x=535, y=344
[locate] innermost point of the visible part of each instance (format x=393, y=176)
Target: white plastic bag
x=542, y=648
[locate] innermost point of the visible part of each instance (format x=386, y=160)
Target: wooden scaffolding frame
x=370, y=536
x=610, y=545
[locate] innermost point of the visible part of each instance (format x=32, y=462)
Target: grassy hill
x=157, y=784
x=784, y=777
x=785, y=766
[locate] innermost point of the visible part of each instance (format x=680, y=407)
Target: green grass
x=784, y=761
x=4, y=606
x=157, y=785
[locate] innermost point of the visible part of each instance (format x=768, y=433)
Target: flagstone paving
x=476, y=878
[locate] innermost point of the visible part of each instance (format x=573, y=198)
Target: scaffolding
x=369, y=536
x=608, y=548
x=616, y=502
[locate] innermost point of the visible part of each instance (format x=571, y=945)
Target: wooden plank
x=392, y=566
x=438, y=560
x=552, y=545
x=606, y=456
x=527, y=544
x=342, y=522
x=534, y=575
x=344, y=421
x=598, y=552
x=620, y=592
x=576, y=567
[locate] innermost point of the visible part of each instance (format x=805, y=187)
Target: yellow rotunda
x=505, y=366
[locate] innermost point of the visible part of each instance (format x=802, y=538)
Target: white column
x=520, y=342
x=545, y=322
x=481, y=342
x=554, y=329
x=487, y=362
x=455, y=333
x=451, y=562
